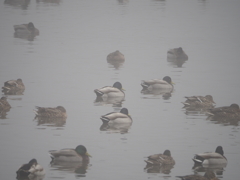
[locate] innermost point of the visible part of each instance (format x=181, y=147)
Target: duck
x=4, y=105
x=209, y=175
x=177, y=53
x=161, y=159
x=199, y=101
x=110, y=91
x=117, y=117
x=13, y=85
x=211, y=158
x=26, y=29
x=116, y=56
x=49, y=112
x=30, y=169
x=165, y=83
x=225, y=112
x=79, y=154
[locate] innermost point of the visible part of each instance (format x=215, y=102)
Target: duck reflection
x=31, y=178
x=18, y=3
x=115, y=101
x=4, y=107
x=217, y=168
x=164, y=93
x=116, y=128
x=49, y=1
x=163, y=169
x=177, y=57
x=50, y=121
x=123, y=1
x=79, y=168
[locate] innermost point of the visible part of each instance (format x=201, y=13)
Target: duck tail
x=104, y=119
x=144, y=85
x=98, y=93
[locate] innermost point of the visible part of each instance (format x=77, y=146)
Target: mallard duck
x=110, y=91
x=30, y=169
x=209, y=175
x=26, y=29
x=161, y=159
x=13, y=85
x=199, y=101
x=211, y=158
x=58, y=112
x=116, y=56
x=4, y=105
x=165, y=83
x=177, y=53
x=117, y=117
x=79, y=154
x=225, y=112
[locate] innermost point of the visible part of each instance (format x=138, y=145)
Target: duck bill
x=172, y=83
x=88, y=154
x=123, y=89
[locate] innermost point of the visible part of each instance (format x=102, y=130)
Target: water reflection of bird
x=58, y=112
x=71, y=167
x=110, y=91
x=209, y=175
x=115, y=101
x=117, y=117
x=79, y=154
x=13, y=87
x=196, y=102
x=51, y=121
x=116, y=127
x=30, y=170
x=211, y=158
x=217, y=168
x=160, y=163
x=165, y=83
x=231, y=112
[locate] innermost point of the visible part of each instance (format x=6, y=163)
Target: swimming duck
x=58, y=112
x=199, y=101
x=26, y=29
x=30, y=169
x=79, y=154
x=13, y=85
x=165, y=83
x=177, y=53
x=117, y=117
x=110, y=91
x=4, y=105
x=211, y=158
x=226, y=112
x=116, y=56
x=209, y=175
x=161, y=159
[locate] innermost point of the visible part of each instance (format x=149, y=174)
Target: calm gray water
x=67, y=61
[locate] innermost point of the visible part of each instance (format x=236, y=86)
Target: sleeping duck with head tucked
x=49, y=112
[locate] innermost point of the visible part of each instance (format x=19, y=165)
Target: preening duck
x=211, y=158
x=4, y=105
x=30, y=169
x=79, y=154
x=117, y=117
